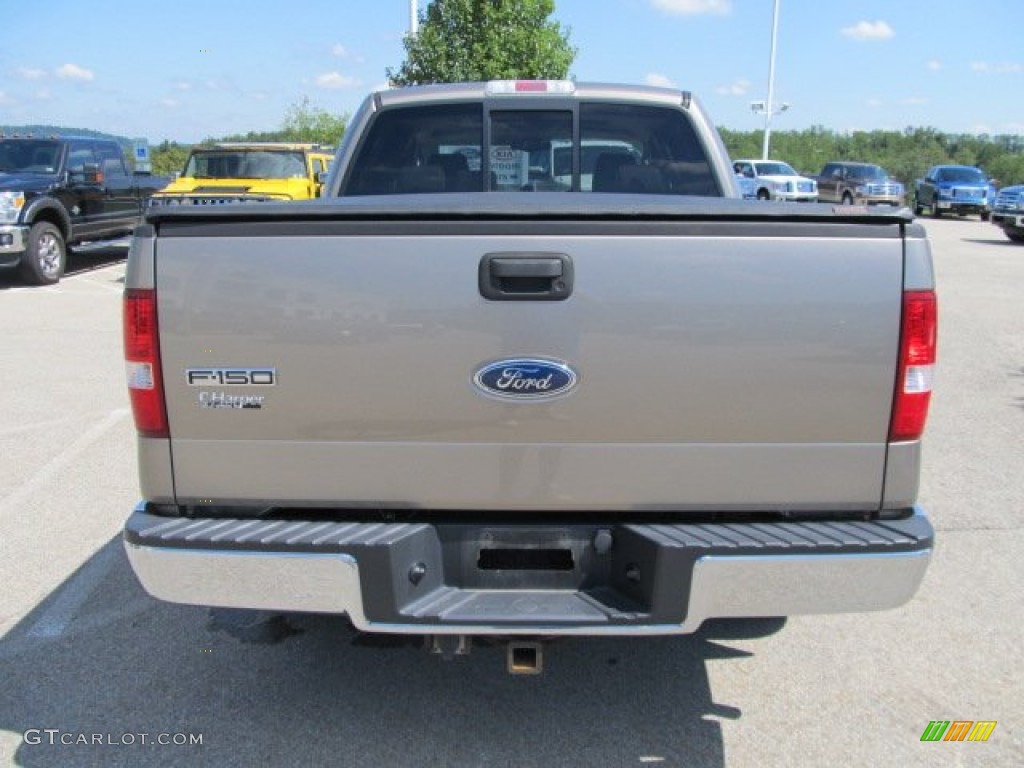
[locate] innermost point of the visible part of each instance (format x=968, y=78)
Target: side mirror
x=92, y=174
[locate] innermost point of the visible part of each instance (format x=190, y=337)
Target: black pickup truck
x=64, y=190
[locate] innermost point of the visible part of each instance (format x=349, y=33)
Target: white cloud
x=339, y=51
x=336, y=80
x=869, y=30
x=875, y=103
x=1004, y=68
x=915, y=101
x=658, y=80
x=693, y=7
x=934, y=65
x=738, y=88
x=31, y=73
x=75, y=72
x=183, y=85
x=43, y=94
x=170, y=103
x=5, y=100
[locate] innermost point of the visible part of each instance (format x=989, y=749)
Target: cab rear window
x=588, y=147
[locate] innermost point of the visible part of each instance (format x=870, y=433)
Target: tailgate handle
x=515, y=276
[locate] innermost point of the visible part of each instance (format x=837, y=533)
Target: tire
x=936, y=213
x=986, y=215
x=46, y=255
x=918, y=208
x=847, y=198
x=1016, y=235
x=763, y=194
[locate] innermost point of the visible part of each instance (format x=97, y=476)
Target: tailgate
x=718, y=366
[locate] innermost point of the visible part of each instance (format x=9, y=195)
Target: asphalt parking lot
x=88, y=658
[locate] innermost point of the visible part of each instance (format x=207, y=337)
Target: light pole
x=757, y=107
x=769, y=107
x=413, y=19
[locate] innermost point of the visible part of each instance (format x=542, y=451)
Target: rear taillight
x=918, y=334
x=142, y=363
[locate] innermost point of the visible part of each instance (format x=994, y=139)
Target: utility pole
x=413, y=19
x=770, y=106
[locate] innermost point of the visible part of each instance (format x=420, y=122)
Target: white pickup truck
x=448, y=401
x=775, y=180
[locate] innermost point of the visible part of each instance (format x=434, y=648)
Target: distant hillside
x=50, y=130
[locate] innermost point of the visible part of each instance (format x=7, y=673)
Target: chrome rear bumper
x=620, y=579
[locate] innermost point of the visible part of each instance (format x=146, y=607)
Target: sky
x=187, y=70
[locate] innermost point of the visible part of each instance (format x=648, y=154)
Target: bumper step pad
x=427, y=577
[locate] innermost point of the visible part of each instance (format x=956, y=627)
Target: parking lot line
x=56, y=619
x=31, y=487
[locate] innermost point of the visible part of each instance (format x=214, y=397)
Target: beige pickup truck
x=445, y=400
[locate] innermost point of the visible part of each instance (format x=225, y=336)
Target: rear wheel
x=847, y=198
x=918, y=208
x=46, y=255
x=986, y=215
x=1017, y=235
x=762, y=194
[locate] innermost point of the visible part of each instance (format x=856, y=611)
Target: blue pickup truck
x=959, y=189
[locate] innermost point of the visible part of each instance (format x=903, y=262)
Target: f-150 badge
x=230, y=377
x=525, y=379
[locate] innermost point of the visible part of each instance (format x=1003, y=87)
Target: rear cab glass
x=588, y=147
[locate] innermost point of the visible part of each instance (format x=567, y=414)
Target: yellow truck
x=248, y=172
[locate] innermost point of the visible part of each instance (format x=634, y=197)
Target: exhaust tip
x=525, y=658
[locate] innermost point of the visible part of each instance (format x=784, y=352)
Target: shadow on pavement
x=1002, y=241
x=80, y=260
x=99, y=659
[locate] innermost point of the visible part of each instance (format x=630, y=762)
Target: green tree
x=906, y=155
x=303, y=123
x=168, y=158
x=465, y=40
x=307, y=123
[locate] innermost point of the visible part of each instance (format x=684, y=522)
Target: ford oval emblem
x=525, y=379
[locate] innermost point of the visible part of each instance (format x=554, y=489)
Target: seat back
x=607, y=171
x=417, y=179
x=454, y=165
x=644, y=179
